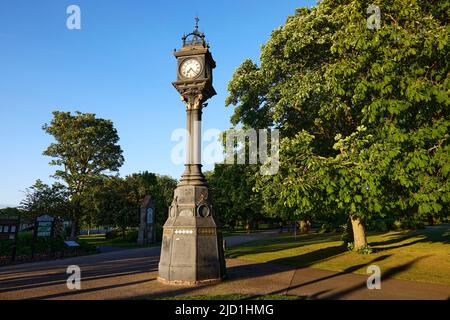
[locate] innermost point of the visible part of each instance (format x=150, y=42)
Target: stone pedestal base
x=192, y=248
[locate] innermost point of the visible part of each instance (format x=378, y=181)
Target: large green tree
x=363, y=112
x=86, y=147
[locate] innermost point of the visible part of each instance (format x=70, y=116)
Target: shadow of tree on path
x=388, y=274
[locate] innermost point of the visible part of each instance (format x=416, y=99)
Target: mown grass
x=100, y=240
x=229, y=233
x=420, y=255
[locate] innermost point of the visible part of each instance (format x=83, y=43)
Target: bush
x=113, y=234
x=363, y=250
x=132, y=236
x=328, y=227
x=408, y=224
x=44, y=248
x=86, y=247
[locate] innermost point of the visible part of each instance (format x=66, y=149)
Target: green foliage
x=361, y=250
x=43, y=246
x=235, y=199
x=409, y=223
x=86, y=147
x=41, y=198
x=116, y=201
x=130, y=235
x=363, y=113
x=12, y=212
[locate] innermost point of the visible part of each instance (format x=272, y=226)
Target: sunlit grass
x=421, y=255
x=100, y=240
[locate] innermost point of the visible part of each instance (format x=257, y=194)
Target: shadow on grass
x=280, y=243
x=432, y=234
x=309, y=258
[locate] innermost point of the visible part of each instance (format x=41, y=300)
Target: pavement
x=131, y=274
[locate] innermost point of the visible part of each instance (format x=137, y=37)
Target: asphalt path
x=132, y=274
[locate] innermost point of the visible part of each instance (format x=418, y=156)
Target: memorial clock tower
x=192, y=250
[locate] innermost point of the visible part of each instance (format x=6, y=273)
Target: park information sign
x=44, y=226
x=9, y=226
x=71, y=244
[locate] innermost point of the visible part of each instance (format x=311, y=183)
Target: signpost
x=43, y=228
x=9, y=228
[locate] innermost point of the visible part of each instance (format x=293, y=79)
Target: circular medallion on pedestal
x=203, y=210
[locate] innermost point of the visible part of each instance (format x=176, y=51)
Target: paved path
x=131, y=274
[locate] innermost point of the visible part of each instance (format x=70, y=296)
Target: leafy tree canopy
x=363, y=112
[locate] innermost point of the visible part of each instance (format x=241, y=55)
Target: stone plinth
x=192, y=250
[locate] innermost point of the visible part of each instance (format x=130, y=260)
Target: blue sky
x=119, y=66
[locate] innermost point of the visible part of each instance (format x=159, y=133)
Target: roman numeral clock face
x=190, y=68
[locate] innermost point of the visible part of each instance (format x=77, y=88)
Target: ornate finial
x=194, y=38
x=196, y=23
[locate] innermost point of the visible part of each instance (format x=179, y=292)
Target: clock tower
x=192, y=250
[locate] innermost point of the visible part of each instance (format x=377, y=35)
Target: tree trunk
x=303, y=226
x=430, y=220
x=74, y=229
x=349, y=232
x=359, y=234
x=247, y=226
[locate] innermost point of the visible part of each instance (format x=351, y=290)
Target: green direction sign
x=44, y=229
x=44, y=226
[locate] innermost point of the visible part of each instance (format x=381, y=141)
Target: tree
x=234, y=197
x=11, y=212
x=363, y=113
x=116, y=201
x=159, y=187
x=86, y=147
x=41, y=199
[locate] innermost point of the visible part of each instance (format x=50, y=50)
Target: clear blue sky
x=118, y=66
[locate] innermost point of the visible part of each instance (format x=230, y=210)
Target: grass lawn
x=100, y=240
x=421, y=255
x=228, y=233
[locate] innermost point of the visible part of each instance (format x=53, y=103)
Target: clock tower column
x=192, y=250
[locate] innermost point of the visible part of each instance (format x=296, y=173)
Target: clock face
x=190, y=68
